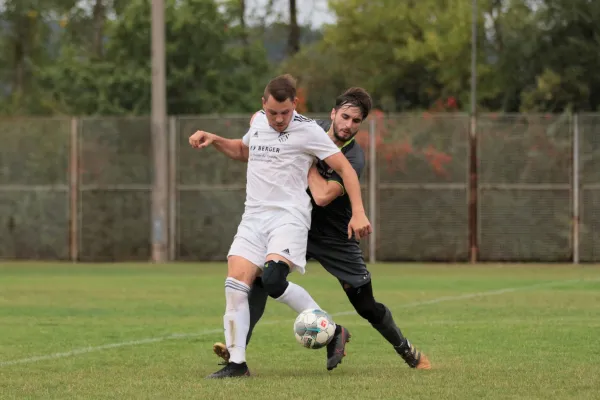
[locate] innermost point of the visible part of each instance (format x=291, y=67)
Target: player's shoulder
x=354, y=151
x=259, y=119
x=325, y=124
x=302, y=119
x=302, y=123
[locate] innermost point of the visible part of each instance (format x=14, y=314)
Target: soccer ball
x=314, y=328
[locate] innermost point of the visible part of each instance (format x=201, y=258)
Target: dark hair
x=281, y=88
x=355, y=97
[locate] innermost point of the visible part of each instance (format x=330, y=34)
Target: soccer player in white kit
x=280, y=147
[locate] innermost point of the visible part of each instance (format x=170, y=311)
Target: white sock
x=297, y=298
x=236, y=319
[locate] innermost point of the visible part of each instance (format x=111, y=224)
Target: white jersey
x=278, y=164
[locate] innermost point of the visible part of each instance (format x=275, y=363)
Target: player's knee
x=274, y=278
x=242, y=270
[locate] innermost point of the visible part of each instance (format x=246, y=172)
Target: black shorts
x=342, y=259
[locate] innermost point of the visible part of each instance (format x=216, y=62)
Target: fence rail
x=81, y=189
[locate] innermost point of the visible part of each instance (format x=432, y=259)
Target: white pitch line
x=437, y=300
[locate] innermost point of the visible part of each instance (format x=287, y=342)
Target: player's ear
x=333, y=113
x=264, y=101
x=295, y=102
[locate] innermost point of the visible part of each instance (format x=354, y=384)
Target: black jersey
x=332, y=220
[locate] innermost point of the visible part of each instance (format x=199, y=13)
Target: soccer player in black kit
x=329, y=242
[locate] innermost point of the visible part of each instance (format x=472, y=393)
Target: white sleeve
x=246, y=138
x=253, y=121
x=319, y=143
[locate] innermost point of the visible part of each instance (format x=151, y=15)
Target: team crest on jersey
x=283, y=136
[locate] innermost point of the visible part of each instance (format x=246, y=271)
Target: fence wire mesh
x=211, y=190
x=422, y=188
x=589, y=162
x=34, y=192
x=115, y=184
x=525, y=188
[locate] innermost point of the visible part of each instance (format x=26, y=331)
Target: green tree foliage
x=93, y=57
x=416, y=54
x=207, y=68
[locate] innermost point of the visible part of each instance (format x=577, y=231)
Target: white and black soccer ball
x=314, y=328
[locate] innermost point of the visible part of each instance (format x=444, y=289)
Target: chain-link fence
x=422, y=188
x=589, y=200
x=34, y=188
x=82, y=188
x=525, y=171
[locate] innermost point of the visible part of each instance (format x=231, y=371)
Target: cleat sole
x=221, y=351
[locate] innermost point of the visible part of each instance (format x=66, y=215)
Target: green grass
x=491, y=331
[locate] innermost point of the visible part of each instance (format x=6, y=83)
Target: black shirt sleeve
x=357, y=159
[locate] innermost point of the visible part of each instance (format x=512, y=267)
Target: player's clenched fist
x=201, y=139
x=359, y=225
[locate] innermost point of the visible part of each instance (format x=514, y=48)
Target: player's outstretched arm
x=232, y=148
x=323, y=191
x=359, y=224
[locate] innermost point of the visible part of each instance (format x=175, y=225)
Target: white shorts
x=257, y=236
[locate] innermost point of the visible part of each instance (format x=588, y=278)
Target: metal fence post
x=173, y=142
x=576, y=186
x=473, y=192
x=74, y=192
x=160, y=190
x=372, y=191
x=473, y=181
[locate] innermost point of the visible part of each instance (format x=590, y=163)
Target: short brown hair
x=281, y=88
x=355, y=97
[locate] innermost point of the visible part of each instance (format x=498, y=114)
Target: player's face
x=346, y=122
x=279, y=114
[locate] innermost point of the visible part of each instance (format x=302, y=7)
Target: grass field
x=137, y=331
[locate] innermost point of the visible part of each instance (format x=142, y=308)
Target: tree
x=207, y=71
x=408, y=54
x=25, y=26
x=294, y=35
x=566, y=30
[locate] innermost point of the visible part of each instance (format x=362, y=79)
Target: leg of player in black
x=345, y=262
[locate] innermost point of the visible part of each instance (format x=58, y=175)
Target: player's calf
x=257, y=300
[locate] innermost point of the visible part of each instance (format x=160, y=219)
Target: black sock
x=338, y=329
x=378, y=315
x=257, y=300
x=389, y=330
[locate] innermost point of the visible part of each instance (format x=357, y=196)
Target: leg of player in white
x=285, y=246
x=286, y=252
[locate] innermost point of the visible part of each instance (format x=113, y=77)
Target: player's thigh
x=344, y=261
x=248, y=250
x=287, y=243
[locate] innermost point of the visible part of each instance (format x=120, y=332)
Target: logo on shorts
x=286, y=251
x=255, y=134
